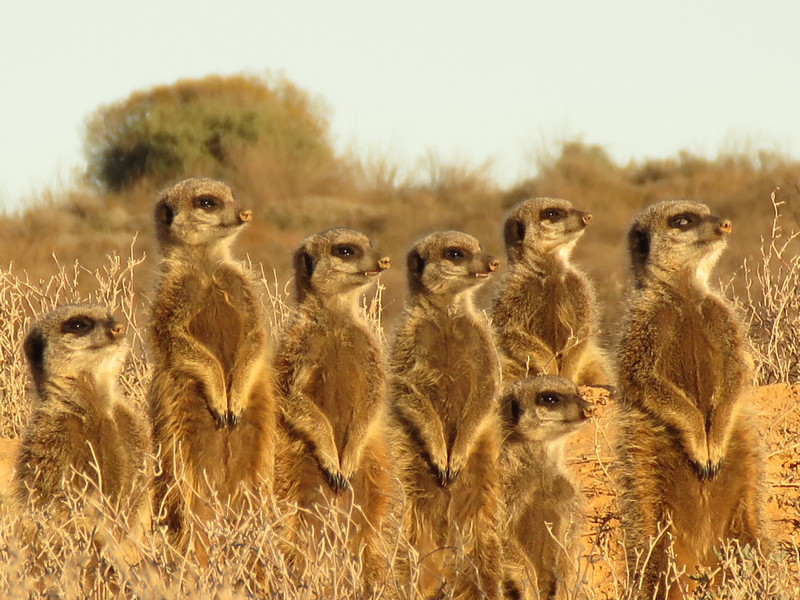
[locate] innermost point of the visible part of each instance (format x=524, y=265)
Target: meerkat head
x=74, y=341
x=198, y=212
x=676, y=239
x=544, y=408
x=542, y=226
x=334, y=262
x=447, y=263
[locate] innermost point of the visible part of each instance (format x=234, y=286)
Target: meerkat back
x=687, y=447
x=211, y=395
x=544, y=505
x=443, y=384
x=83, y=437
x=544, y=312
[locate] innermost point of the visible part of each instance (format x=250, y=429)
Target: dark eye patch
x=684, y=221
x=207, y=203
x=454, y=253
x=80, y=325
x=554, y=215
x=548, y=399
x=344, y=251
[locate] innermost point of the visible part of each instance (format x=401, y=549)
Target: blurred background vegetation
x=270, y=141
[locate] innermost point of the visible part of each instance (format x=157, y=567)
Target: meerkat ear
x=511, y=409
x=303, y=263
x=513, y=232
x=639, y=244
x=416, y=264
x=164, y=213
x=34, y=351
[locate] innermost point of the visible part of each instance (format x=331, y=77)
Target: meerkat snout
x=245, y=216
x=726, y=226
x=587, y=218
x=116, y=330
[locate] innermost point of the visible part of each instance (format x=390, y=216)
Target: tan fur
x=443, y=384
x=83, y=438
x=544, y=506
x=331, y=385
x=211, y=396
x=9, y=449
x=544, y=312
x=688, y=448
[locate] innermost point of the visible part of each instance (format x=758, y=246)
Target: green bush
x=206, y=127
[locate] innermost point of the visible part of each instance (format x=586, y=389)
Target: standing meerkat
x=211, y=400
x=544, y=506
x=443, y=384
x=82, y=434
x=544, y=312
x=688, y=448
x=330, y=379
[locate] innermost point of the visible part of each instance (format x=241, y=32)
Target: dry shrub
x=768, y=295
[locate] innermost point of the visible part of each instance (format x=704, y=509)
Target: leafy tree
x=205, y=127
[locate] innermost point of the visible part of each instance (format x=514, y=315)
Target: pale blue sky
x=470, y=81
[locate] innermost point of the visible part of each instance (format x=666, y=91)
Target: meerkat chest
x=462, y=362
x=217, y=324
x=346, y=366
x=701, y=341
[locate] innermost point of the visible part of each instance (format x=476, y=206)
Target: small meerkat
x=544, y=506
x=331, y=384
x=211, y=399
x=443, y=383
x=544, y=312
x=689, y=452
x=82, y=434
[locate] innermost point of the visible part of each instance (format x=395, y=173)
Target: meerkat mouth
x=371, y=273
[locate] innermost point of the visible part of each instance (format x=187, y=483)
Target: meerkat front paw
x=439, y=470
x=336, y=480
x=232, y=419
x=454, y=468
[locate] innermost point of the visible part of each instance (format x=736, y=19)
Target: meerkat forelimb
x=690, y=457
x=544, y=506
x=544, y=312
x=443, y=383
x=331, y=389
x=211, y=398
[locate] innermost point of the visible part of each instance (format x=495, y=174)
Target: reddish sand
x=591, y=456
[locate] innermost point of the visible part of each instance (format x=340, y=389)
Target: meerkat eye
x=552, y=214
x=453, y=253
x=683, y=221
x=206, y=202
x=77, y=325
x=344, y=251
x=547, y=399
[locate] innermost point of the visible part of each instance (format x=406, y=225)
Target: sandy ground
x=592, y=457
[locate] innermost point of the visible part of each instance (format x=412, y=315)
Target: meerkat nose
x=245, y=215
x=494, y=265
x=384, y=263
x=118, y=330
x=726, y=226
x=587, y=218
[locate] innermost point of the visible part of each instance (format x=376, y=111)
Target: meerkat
x=544, y=312
x=331, y=391
x=82, y=437
x=211, y=397
x=544, y=505
x=691, y=467
x=443, y=380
